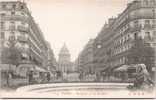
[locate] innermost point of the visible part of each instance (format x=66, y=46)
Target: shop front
x=23, y=69
x=6, y=73
x=125, y=73
x=40, y=75
x=32, y=73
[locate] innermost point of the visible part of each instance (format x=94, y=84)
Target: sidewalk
x=14, y=84
x=59, y=86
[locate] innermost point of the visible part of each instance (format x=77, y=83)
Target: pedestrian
x=7, y=78
x=30, y=77
x=48, y=76
x=139, y=78
x=147, y=77
x=142, y=77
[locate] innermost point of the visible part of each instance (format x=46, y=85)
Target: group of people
x=142, y=78
x=45, y=78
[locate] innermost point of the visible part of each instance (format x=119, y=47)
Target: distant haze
x=73, y=21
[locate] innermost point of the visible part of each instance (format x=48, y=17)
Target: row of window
x=11, y=25
x=126, y=38
x=122, y=47
x=13, y=6
x=35, y=38
x=119, y=61
x=12, y=33
x=12, y=13
x=123, y=18
x=146, y=23
x=136, y=24
x=34, y=46
x=20, y=45
x=122, y=41
x=149, y=2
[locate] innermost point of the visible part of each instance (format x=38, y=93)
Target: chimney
x=111, y=20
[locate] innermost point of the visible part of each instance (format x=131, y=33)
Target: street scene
x=121, y=55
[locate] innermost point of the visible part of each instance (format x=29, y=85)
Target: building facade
x=127, y=39
x=86, y=58
x=52, y=63
x=21, y=41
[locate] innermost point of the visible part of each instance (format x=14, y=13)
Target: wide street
x=87, y=90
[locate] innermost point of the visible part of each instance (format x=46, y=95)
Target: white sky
x=73, y=21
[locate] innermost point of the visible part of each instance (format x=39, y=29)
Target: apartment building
x=128, y=38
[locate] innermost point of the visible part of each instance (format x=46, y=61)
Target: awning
x=40, y=69
x=22, y=69
x=122, y=68
x=28, y=66
x=101, y=69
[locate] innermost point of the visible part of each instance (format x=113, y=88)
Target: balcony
x=22, y=29
x=22, y=39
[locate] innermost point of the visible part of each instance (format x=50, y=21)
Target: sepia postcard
x=77, y=49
